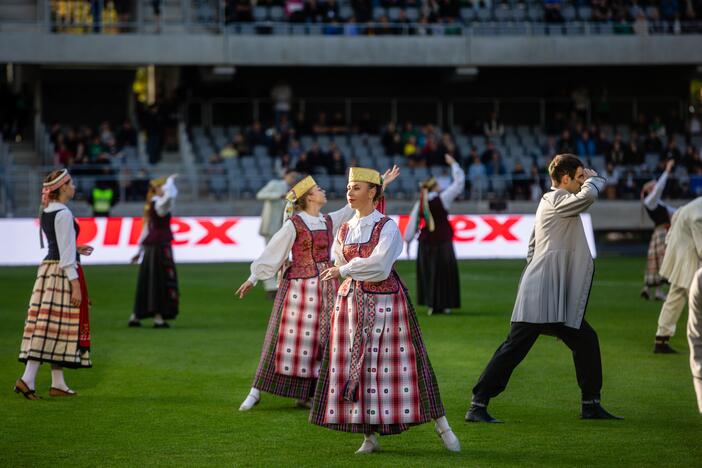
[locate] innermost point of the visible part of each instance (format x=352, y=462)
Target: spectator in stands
x=301, y=124
x=634, y=154
x=408, y=131
x=449, y=9
x=601, y=10
x=493, y=128
x=62, y=155
x=552, y=11
x=106, y=133
x=412, y=153
x=669, y=9
x=388, y=137
x=277, y=144
x=496, y=171
x=94, y=150
x=653, y=143
x=243, y=10
x=216, y=172
x=228, y=151
x=362, y=10
x=127, y=135
x=430, y=152
x=281, y=94
x=240, y=144
x=488, y=154
x=658, y=127
x=337, y=165
x=295, y=11
x=156, y=7
x=283, y=164
x=536, y=187
x=303, y=165
x=477, y=176
x=550, y=148
x=611, y=173
x=617, y=154
x=671, y=150
x=155, y=127
x=317, y=158
x=566, y=145
x=691, y=160
x=602, y=144
x=330, y=11
x=313, y=14
x=256, y=136
x=105, y=193
x=521, y=185
x=640, y=24
x=585, y=145
x=694, y=125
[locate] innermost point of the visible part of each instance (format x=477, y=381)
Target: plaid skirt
x=267, y=378
x=428, y=402
x=52, y=329
x=656, y=252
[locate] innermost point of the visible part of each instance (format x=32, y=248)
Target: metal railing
x=202, y=16
x=448, y=114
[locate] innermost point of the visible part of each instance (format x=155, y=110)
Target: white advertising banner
x=234, y=239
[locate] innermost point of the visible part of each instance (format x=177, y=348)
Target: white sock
x=57, y=380
x=442, y=424
x=158, y=319
x=133, y=318
x=251, y=399
x=30, y=373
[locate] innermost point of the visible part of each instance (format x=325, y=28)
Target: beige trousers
x=671, y=310
x=694, y=335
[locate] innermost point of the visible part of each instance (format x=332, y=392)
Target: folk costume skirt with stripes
x=157, y=285
x=55, y=331
x=397, y=387
x=438, y=284
x=656, y=252
x=296, y=337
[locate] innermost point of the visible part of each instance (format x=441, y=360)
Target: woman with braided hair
x=438, y=284
x=299, y=323
x=375, y=375
x=157, y=292
x=57, y=329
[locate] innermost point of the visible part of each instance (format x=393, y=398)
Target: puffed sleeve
x=411, y=228
x=66, y=239
x=164, y=203
x=276, y=252
x=378, y=265
x=341, y=216
x=456, y=188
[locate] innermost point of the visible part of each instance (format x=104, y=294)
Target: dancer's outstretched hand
x=244, y=288
x=135, y=259
x=390, y=175
x=589, y=173
x=85, y=249
x=330, y=273
x=449, y=159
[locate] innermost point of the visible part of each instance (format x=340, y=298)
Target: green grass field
x=170, y=397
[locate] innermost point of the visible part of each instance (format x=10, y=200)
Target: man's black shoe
x=596, y=411
x=480, y=414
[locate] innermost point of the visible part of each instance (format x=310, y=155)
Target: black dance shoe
x=596, y=411
x=134, y=324
x=162, y=325
x=480, y=414
x=662, y=346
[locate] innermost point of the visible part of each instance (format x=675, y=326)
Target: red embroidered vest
x=309, y=248
x=390, y=285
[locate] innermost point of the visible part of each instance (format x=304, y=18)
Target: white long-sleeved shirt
x=163, y=204
x=448, y=196
x=653, y=199
x=278, y=249
x=65, y=237
x=378, y=265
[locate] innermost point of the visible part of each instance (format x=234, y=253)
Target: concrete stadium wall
x=206, y=49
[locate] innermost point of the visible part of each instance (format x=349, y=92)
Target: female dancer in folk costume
x=57, y=329
x=299, y=324
x=438, y=284
x=375, y=375
x=660, y=214
x=157, y=285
